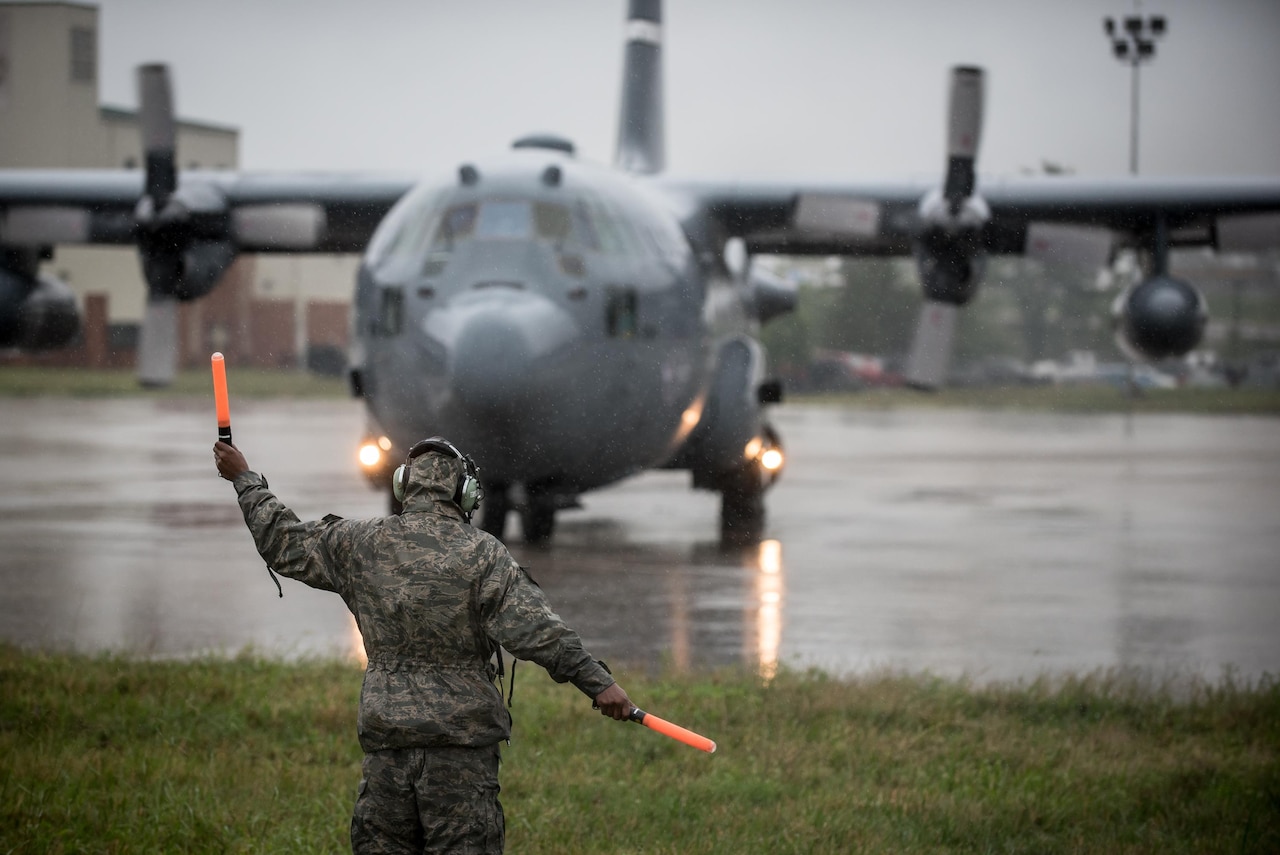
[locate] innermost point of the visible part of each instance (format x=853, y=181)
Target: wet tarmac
x=995, y=546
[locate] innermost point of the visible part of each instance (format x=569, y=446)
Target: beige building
x=50, y=117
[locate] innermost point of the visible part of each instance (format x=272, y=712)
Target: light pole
x=1133, y=40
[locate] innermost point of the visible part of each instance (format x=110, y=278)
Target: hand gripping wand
x=675, y=731
x=221, y=403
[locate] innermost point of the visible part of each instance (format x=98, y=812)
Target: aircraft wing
x=254, y=212
x=950, y=229
x=876, y=218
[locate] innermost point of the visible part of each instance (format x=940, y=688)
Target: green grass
x=83, y=382
x=1064, y=399
x=264, y=383
x=108, y=754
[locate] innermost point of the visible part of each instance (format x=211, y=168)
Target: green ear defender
x=468, y=494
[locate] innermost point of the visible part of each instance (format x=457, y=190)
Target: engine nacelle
x=948, y=249
x=1159, y=318
x=190, y=273
x=768, y=295
x=182, y=246
x=36, y=314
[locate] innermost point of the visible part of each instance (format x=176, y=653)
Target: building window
x=84, y=55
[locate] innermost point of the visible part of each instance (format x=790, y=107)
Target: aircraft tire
x=538, y=520
x=742, y=507
x=493, y=510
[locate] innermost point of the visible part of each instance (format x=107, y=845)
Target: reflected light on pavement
x=769, y=610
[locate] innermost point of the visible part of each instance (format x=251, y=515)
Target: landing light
x=770, y=457
x=689, y=419
x=370, y=454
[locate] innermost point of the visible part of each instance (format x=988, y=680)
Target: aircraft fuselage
x=549, y=317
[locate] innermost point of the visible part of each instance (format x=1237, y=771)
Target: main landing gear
x=537, y=513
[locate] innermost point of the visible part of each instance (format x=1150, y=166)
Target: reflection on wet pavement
x=998, y=546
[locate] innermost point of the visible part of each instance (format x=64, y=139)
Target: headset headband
x=468, y=492
x=435, y=443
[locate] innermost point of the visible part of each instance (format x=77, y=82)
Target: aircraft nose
x=500, y=344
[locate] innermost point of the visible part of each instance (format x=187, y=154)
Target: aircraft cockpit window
x=552, y=222
x=507, y=219
x=458, y=224
x=401, y=239
x=583, y=229
x=612, y=232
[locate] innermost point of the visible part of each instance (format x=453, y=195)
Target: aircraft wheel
x=742, y=507
x=493, y=510
x=538, y=520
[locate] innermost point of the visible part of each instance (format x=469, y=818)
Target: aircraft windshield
x=503, y=219
x=422, y=233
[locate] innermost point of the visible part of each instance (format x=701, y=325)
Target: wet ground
x=998, y=546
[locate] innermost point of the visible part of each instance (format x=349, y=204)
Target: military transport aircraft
x=571, y=324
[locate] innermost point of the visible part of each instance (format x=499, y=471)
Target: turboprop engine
x=948, y=247
x=36, y=312
x=1159, y=318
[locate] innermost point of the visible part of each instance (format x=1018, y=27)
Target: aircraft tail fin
x=641, y=146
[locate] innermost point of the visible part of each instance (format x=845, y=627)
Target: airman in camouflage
x=433, y=598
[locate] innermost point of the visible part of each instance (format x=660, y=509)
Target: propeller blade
x=156, y=122
x=641, y=136
x=930, y=356
x=158, y=341
x=964, y=131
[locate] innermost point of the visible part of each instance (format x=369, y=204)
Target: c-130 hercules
x=570, y=324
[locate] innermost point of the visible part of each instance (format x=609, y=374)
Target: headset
x=468, y=493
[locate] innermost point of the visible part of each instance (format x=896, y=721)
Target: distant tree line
x=1023, y=310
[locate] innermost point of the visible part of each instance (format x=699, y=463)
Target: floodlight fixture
x=1133, y=41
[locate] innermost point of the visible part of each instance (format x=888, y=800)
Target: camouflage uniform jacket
x=431, y=596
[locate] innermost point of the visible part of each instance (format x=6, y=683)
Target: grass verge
x=25, y=381
x=263, y=383
x=1082, y=399
x=105, y=754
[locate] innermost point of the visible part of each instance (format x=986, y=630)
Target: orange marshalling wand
x=221, y=403
x=675, y=731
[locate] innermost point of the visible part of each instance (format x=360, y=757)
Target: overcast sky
x=754, y=88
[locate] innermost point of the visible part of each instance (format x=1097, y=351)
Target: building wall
x=48, y=106
x=50, y=118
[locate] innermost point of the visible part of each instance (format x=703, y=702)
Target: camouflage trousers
x=426, y=800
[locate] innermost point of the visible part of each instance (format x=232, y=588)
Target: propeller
x=161, y=222
x=641, y=144
x=187, y=236
x=949, y=245
x=964, y=132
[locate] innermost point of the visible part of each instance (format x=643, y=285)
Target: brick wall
x=250, y=332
